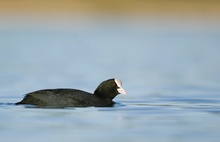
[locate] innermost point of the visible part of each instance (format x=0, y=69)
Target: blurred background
x=166, y=52
x=150, y=45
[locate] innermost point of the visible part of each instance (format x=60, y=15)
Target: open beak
x=120, y=89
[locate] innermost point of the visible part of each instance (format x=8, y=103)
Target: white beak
x=120, y=89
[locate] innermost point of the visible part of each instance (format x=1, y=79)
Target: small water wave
x=1, y=103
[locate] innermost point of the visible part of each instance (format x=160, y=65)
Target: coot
x=60, y=98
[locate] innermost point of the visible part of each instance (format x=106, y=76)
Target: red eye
x=113, y=84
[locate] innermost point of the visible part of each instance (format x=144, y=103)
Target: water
x=169, y=69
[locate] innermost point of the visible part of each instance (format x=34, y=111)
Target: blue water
x=169, y=69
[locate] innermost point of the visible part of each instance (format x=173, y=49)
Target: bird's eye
x=113, y=84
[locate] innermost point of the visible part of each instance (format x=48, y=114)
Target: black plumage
x=60, y=98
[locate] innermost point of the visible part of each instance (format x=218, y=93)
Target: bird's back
x=58, y=98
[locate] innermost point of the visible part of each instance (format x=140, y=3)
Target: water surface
x=169, y=69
